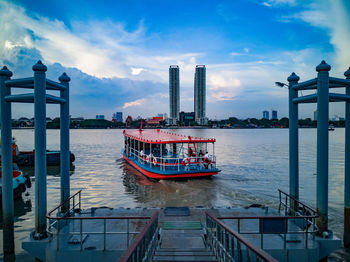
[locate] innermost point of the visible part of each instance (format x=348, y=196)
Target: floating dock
x=183, y=234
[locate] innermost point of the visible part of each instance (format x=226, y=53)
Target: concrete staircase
x=182, y=241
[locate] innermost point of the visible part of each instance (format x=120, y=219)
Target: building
x=200, y=95
x=155, y=121
x=100, y=117
x=174, y=94
x=117, y=117
x=274, y=114
x=186, y=118
x=128, y=121
x=266, y=114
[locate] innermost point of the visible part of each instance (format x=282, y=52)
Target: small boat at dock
x=160, y=154
x=20, y=182
x=27, y=158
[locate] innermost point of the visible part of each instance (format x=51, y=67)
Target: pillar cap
x=64, y=78
x=5, y=72
x=39, y=66
x=293, y=77
x=323, y=67
x=347, y=73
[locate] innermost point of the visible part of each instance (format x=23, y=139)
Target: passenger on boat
x=207, y=160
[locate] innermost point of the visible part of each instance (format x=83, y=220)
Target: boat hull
x=156, y=175
x=53, y=158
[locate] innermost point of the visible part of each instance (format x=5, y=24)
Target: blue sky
x=118, y=52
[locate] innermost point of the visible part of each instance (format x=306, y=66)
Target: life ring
x=185, y=161
x=154, y=161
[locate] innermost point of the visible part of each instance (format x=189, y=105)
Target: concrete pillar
x=40, y=149
x=322, y=145
x=293, y=141
x=347, y=168
x=65, y=155
x=6, y=162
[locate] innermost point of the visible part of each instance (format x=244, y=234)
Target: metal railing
x=301, y=216
x=171, y=163
x=59, y=224
x=142, y=248
x=228, y=245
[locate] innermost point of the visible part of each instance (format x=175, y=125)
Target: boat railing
x=174, y=163
x=142, y=248
x=301, y=221
x=81, y=224
x=228, y=245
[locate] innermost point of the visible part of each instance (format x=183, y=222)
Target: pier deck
x=180, y=236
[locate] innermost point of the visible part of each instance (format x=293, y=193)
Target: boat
x=20, y=182
x=159, y=154
x=27, y=158
x=53, y=158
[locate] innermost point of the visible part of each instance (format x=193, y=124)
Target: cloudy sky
x=118, y=53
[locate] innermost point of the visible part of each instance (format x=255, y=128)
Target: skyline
x=118, y=54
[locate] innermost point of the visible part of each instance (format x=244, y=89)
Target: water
x=254, y=164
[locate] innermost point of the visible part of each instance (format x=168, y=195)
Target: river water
x=254, y=164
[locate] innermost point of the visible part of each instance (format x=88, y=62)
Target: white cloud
x=335, y=17
x=136, y=71
x=279, y=2
x=137, y=102
x=266, y=4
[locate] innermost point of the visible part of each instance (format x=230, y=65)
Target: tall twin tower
x=199, y=94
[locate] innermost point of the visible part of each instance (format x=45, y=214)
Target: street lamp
x=280, y=84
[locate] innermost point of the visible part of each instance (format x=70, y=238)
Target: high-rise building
x=119, y=116
x=186, y=118
x=274, y=114
x=200, y=95
x=266, y=114
x=174, y=94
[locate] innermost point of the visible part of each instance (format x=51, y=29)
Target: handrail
x=68, y=215
x=48, y=216
x=261, y=254
x=296, y=200
x=304, y=217
x=140, y=239
x=161, y=161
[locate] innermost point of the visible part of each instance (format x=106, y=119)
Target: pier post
x=347, y=168
x=293, y=141
x=6, y=162
x=40, y=149
x=322, y=145
x=65, y=155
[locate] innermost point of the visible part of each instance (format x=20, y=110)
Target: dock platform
x=180, y=234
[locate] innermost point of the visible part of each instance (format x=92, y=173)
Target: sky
x=118, y=53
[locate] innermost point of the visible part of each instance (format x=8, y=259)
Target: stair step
x=183, y=253
x=184, y=258
x=183, y=250
x=171, y=225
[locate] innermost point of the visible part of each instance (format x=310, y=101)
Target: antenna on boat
x=140, y=129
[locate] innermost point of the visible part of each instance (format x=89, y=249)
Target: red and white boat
x=20, y=182
x=161, y=154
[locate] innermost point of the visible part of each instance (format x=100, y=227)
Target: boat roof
x=157, y=136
